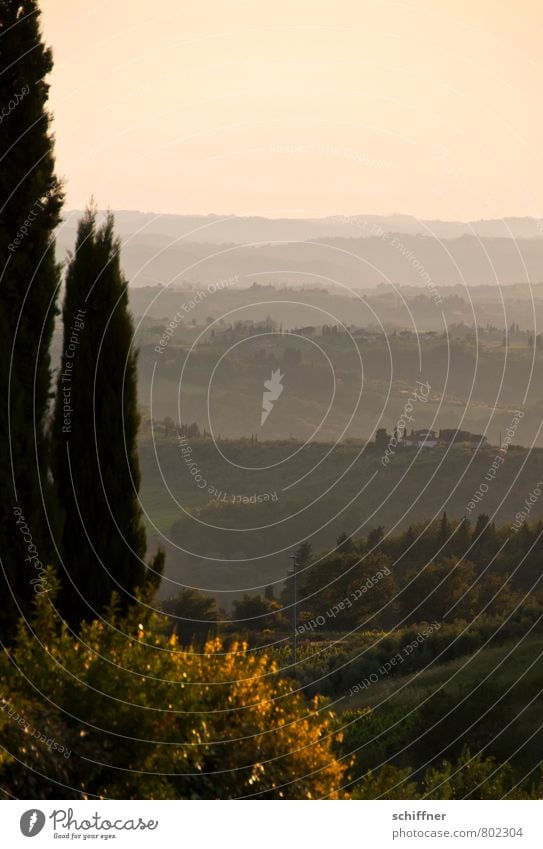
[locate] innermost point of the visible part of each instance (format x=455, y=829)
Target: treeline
x=444, y=570
x=68, y=459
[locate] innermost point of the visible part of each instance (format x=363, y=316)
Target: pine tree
x=303, y=553
x=462, y=538
x=344, y=544
x=96, y=421
x=375, y=537
x=31, y=199
x=301, y=559
x=407, y=548
x=444, y=532
x=484, y=541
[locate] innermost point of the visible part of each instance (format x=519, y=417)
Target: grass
x=499, y=695
x=504, y=664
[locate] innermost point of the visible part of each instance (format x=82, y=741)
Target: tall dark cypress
x=30, y=203
x=95, y=428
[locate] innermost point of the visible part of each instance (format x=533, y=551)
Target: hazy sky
x=300, y=108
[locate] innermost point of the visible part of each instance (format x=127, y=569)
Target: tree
x=406, y=543
x=356, y=586
x=150, y=719
x=375, y=537
x=345, y=544
x=254, y=613
x=31, y=199
x=485, y=542
x=190, y=431
x=462, y=537
x=303, y=553
x=95, y=427
x=446, y=589
x=194, y=614
x=169, y=426
x=469, y=777
x=301, y=558
x=444, y=531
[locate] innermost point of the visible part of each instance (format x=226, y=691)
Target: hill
x=490, y=700
x=222, y=538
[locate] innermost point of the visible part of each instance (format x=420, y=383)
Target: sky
x=291, y=108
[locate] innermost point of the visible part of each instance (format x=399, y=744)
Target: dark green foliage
x=193, y=614
x=344, y=544
x=303, y=554
x=255, y=613
x=95, y=428
x=299, y=561
x=488, y=698
x=348, y=590
x=484, y=541
x=374, y=537
x=31, y=200
x=340, y=666
x=468, y=777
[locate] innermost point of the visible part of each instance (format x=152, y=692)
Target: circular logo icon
x=32, y=822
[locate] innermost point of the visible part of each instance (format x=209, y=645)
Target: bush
x=145, y=718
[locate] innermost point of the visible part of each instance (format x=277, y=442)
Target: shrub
x=146, y=718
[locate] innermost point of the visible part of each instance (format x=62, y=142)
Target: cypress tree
x=95, y=428
x=444, y=532
x=30, y=203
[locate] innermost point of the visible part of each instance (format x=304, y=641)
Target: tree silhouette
x=31, y=198
x=96, y=422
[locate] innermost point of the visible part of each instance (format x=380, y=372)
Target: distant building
x=423, y=438
x=426, y=438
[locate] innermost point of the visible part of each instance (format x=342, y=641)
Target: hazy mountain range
x=357, y=251
x=241, y=230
